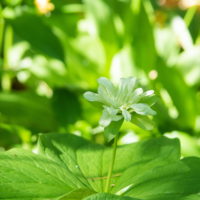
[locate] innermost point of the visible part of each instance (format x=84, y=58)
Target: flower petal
x=126, y=88
x=126, y=115
x=109, y=115
x=149, y=93
x=143, y=109
x=135, y=96
x=91, y=96
x=149, y=98
x=107, y=91
x=107, y=84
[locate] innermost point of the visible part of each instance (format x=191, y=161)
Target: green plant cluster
x=136, y=138
x=51, y=59
x=67, y=167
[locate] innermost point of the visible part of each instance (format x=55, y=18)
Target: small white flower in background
x=125, y=101
x=185, y=4
x=44, y=6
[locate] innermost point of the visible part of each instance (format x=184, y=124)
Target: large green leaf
x=90, y=162
x=113, y=129
x=38, y=34
x=77, y=194
x=139, y=32
x=168, y=182
x=102, y=22
x=82, y=159
x=143, y=122
x=70, y=110
x=67, y=164
x=8, y=136
x=24, y=175
x=101, y=16
x=105, y=196
x=182, y=96
x=27, y=109
x=192, y=197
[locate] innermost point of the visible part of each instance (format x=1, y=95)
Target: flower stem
x=2, y=25
x=107, y=188
x=8, y=40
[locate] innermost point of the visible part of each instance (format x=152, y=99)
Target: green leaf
x=103, y=22
x=175, y=181
x=9, y=136
x=143, y=109
x=192, y=197
x=81, y=158
x=183, y=97
x=88, y=163
x=112, y=130
x=66, y=106
x=142, y=37
x=27, y=109
x=105, y=196
x=27, y=176
x=143, y=122
x=38, y=34
x=150, y=170
x=144, y=163
x=77, y=194
x=190, y=184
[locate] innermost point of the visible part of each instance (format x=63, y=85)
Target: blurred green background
x=53, y=51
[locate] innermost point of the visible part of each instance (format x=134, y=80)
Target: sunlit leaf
x=66, y=106
x=38, y=34
x=112, y=130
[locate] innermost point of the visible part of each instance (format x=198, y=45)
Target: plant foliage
x=69, y=167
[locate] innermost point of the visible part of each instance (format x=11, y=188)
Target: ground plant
x=99, y=99
x=68, y=167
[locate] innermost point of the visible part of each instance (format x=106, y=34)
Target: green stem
x=189, y=15
x=8, y=39
x=107, y=188
x=1, y=32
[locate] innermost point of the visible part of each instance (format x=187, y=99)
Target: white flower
x=125, y=101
